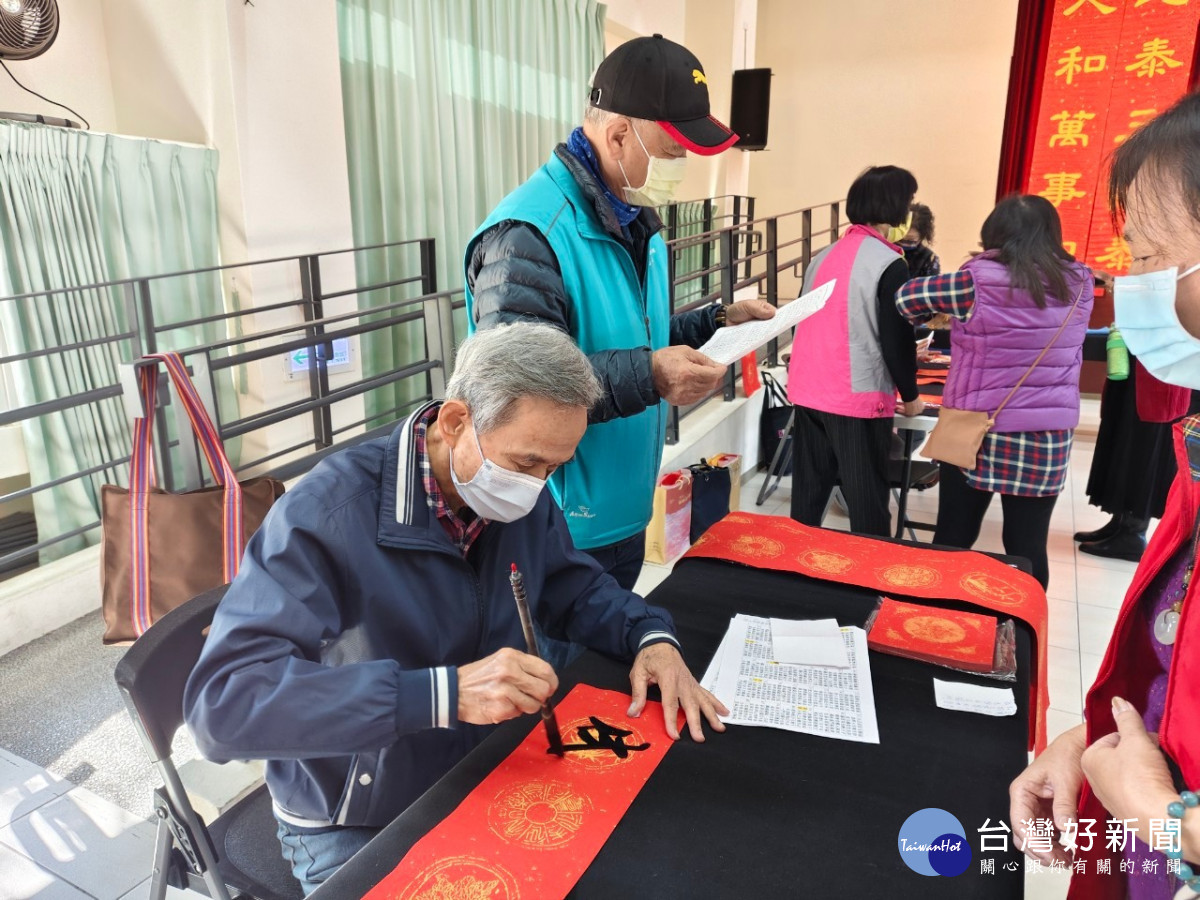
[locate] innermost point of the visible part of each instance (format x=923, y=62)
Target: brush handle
x=518, y=589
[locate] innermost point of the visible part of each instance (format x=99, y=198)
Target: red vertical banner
x=1154, y=62
x=1110, y=66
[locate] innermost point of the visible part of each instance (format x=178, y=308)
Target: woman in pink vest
x=1129, y=775
x=850, y=359
x=1009, y=303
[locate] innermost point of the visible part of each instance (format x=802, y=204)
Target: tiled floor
x=61, y=841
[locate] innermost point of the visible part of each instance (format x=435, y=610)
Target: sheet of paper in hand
x=533, y=826
x=735, y=341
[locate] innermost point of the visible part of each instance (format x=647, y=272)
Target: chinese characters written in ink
x=602, y=736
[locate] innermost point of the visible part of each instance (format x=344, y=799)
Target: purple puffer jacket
x=1004, y=335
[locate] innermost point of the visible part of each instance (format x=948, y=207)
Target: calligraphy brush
x=518, y=588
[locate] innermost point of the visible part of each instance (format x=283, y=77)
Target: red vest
x=1128, y=668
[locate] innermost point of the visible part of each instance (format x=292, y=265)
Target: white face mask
x=496, y=493
x=662, y=179
x=1147, y=320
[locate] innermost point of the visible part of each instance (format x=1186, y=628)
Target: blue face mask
x=1147, y=320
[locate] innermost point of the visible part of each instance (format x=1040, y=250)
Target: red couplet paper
x=534, y=825
x=784, y=545
x=943, y=636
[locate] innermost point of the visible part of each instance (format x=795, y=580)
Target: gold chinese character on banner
x=1075, y=62
x=1070, y=129
x=1060, y=187
x=1116, y=256
x=1137, y=118
x=1168, y=2
x=1154, y=59
x=1070, y=246
x=1103, y=8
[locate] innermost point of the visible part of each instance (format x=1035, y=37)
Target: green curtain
x=448, y=107
x=78, y=208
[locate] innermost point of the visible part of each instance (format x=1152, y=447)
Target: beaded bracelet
x=1176, y=809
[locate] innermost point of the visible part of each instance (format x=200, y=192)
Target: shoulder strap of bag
x=1045, y=350
x=141, y=479
x=776, y=395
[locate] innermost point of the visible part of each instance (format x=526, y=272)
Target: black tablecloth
x=759, y=812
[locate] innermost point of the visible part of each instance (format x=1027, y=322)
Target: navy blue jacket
x=333, y=655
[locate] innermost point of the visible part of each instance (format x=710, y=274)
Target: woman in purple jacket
x=1008, y=304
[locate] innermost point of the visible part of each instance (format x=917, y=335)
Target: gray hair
x=495, y=368
x=599, y=117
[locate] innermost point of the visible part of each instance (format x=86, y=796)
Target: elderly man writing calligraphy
x=367, y=644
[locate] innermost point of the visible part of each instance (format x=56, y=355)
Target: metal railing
x=298, y=319
x=717, y=248
x=744, y=253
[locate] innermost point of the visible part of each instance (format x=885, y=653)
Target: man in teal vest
x=578, y=246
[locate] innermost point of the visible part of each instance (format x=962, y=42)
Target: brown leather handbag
x=158, y=550
x=959, y=433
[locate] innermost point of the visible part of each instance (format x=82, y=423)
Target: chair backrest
x=154, y=671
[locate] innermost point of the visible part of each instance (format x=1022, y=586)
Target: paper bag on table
x=668, y=533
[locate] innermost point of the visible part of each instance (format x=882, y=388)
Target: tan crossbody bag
x=959, y=433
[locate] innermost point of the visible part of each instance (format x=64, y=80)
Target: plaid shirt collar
x=463, y=528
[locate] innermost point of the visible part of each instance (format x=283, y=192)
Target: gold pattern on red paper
x=1116, y=257
x=538, y=814
x=992, y=588
x=462, y=878
x=1156, y=57
x=757, y=546
x=826, y=562
x=935, y=629
x=910, y=576
x=1137, y=118
x=1075, y=62
x=1060, y=187
x=1070, y=129
x=1103, y=8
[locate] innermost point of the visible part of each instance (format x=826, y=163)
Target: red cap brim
x=705, y=137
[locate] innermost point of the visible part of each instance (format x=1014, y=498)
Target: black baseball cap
x=656, y=79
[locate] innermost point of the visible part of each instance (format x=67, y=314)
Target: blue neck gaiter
x=582, y=150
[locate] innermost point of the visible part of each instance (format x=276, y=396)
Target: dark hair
x=1166, y=148
x=1025, y=232
x=923, y=222
x=880, y=196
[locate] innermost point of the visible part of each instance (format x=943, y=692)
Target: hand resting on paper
x=661, y=664
x=683, y=376
x=502, y=686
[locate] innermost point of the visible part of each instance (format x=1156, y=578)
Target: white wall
x=74, y=71
x=646, y=17
x=866, y=82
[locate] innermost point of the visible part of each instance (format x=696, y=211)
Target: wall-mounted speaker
x=750, y=108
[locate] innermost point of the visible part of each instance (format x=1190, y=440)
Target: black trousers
x=836, y=450
x=961, y=509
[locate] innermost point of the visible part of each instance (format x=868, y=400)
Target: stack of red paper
x=944, y=637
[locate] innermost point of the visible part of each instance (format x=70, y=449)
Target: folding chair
x=237, y=855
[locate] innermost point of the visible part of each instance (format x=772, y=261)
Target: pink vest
x=837, y=365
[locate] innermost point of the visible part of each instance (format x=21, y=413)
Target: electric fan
x=27, y=27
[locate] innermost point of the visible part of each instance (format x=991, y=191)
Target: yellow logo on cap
x=698, y=76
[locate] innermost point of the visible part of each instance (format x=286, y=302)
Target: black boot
x=1103, y=532
x=1129, y=543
